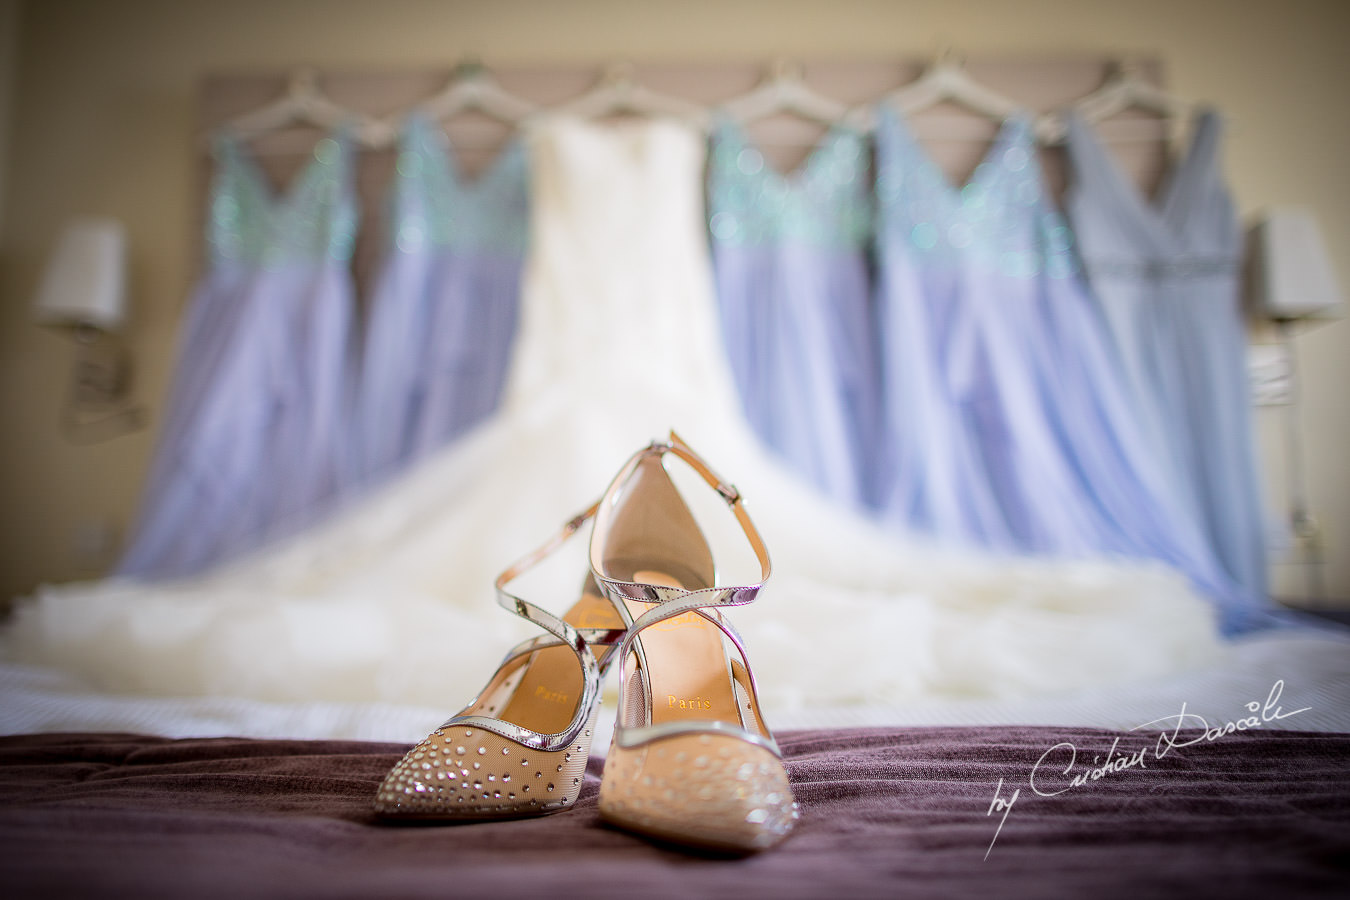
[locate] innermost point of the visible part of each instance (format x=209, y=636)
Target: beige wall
x=102, y=122
x=9, y=43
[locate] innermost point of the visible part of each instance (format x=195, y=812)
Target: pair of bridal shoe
x=692, y=761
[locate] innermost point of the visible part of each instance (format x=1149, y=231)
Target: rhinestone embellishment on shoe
x=442, y=778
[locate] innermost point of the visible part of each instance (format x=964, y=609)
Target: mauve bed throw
x=885, y=812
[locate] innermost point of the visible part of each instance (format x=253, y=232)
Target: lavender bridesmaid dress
x=1167, y=275
x=443, y=312
x=249, y=447
x=1010, y=423
x=789, y=258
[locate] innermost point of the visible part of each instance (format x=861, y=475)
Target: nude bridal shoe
x=520, y=747
x=691, y=761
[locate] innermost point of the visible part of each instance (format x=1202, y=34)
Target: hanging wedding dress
x=393, y=600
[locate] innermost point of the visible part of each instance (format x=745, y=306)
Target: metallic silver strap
x=648, y=593
x=668, y=602
x=563, y=634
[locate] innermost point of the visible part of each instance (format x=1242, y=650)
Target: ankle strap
x=578, y=640
x=738, y=596
x=527, y=610
x=666, y=602
x=675, y=444
x=648, y=593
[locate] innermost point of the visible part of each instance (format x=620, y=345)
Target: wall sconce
x=83, y=290
x=1291, y=282
x=1291, y=278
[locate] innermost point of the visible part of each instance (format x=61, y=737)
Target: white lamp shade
x=1292, y=275
x=85, y=280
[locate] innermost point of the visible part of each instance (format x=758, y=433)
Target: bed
x=107, y=795
x=914, y=812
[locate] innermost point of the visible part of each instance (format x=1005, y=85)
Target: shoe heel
x=691, y=761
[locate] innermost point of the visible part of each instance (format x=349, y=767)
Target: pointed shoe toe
x=472, y=774
x=711, y=791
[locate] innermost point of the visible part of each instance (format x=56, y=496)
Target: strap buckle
x=677, y=446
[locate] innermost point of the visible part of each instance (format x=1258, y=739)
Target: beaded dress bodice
x=999, y=219
x=314, y=219
x=434, y=205
x=826, y=203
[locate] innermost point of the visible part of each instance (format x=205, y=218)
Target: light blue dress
x=1167, y=275
x=790, y=262
x=1010, y=424
x=250, y=446
x=445, y=302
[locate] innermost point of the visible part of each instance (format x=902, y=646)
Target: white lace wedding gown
x=392, y=600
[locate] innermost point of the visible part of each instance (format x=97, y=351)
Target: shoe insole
x=686, y=663
x=551, y=682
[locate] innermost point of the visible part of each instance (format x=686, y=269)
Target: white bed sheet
x=1308, y=670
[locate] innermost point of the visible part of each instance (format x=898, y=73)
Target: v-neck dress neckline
x=1158, y=215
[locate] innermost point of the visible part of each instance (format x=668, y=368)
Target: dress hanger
x=618, y=93
x=1127, y=89
x=1124, y=89
x=944, y=80
x=304, y=104
x=784, y=91
x=473, y=89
